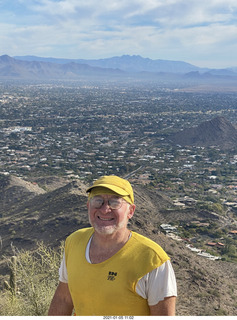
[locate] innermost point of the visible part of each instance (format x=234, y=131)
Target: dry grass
x=36, y=277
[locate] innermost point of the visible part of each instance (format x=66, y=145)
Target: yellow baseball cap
x=118, y=185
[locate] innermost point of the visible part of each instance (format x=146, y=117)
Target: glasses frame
x=107, y=201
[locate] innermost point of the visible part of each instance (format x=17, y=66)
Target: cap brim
x=116, y=189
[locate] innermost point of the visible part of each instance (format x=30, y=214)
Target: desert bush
x=35, y=280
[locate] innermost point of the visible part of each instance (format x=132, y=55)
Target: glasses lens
x=115, y=203
x=97, y=202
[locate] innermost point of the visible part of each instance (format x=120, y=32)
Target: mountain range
x=33, y=67
x=125, y=63
x=11, y=68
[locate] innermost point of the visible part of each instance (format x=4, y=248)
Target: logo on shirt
x=112, y=276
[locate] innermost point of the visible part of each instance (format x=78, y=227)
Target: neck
x=104, y=247
x=109, y=240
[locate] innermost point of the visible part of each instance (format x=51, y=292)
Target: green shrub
x=30, y=291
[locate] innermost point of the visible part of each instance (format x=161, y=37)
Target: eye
x=98, y=202
x=114, y=202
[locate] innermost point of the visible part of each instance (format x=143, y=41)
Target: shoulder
x=146, y=242
x=150, y=247
x=79, y=234
x=77, y=241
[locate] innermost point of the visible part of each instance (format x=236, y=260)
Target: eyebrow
x=112, y=197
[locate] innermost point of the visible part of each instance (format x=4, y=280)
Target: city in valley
x=85, y=129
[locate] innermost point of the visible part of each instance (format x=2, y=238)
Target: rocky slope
x=216, y=132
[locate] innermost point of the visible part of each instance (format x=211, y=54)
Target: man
x=108, y=269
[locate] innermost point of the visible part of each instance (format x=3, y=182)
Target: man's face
x=109, y=213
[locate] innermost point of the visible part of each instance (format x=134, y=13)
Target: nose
x=105, y=207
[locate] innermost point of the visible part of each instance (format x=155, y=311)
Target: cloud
x=170, y=12
x=173, y=29
x=160, y=13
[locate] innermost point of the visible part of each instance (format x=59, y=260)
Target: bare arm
x=62, y=302
x=165, y=307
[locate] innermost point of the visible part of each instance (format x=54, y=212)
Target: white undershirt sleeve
x=158, y=284
x=63, y=271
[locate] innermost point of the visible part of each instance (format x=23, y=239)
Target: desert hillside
x=216, y=132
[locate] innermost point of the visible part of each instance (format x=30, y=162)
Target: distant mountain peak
x=218, y=127
x=5, y=58
x=215, y=132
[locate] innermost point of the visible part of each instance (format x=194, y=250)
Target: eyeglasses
x=113, y=203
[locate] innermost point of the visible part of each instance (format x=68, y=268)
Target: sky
x=200, y=32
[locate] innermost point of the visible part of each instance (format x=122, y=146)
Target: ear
x=87, y=204
x=132, y=208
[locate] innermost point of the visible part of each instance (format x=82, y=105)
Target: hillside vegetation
x=32, y=280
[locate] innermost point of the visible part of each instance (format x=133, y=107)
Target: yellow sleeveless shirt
x=109, y=287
